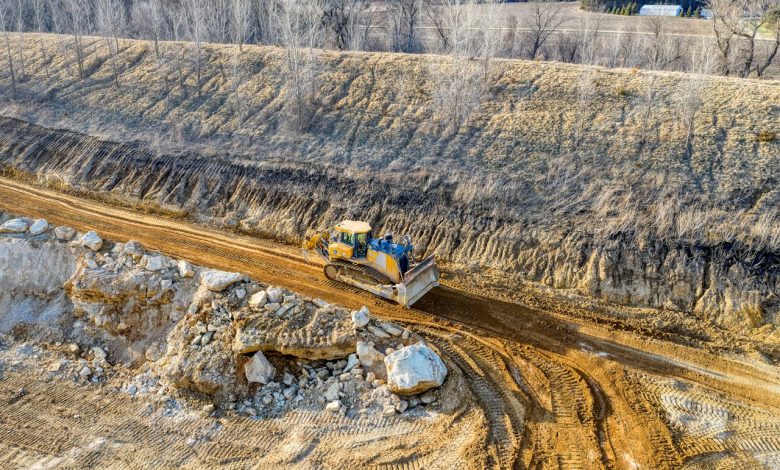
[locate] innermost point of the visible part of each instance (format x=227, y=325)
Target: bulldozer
x=378, y=265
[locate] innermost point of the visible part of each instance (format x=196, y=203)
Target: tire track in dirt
x=548, y=402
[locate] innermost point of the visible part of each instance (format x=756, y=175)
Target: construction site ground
x=555, y=390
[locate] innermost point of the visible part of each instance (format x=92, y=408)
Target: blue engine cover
x=396, y=250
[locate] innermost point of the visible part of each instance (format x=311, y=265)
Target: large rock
x=275, y=295
x=185, y=269
x=64, y=233
x=414, y=369
x=217, y=281
x=360, y=318
x=14, y=226
x=258, y=369
x=92, y=241
x=367, y=354
x=153, y=263
x=39, y=226
x=259, y=299
x=134, y=249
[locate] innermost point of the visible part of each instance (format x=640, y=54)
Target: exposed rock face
x=321, y=333
x=259, y=370
x=14, y=226
x=92, y=241
x=217, y=281
x=414, y=369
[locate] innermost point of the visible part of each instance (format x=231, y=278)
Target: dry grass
x=555, y=147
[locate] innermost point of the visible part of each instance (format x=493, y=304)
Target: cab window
x=348, y=238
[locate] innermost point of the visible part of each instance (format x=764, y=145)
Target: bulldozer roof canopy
x=353, y=226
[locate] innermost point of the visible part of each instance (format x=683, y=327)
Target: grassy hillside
x=599, y=180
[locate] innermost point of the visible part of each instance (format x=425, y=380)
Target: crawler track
x=549, y=392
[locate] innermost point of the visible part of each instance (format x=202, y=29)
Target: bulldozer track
x=537, y=397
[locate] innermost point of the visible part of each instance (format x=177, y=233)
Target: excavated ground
x=556, y=392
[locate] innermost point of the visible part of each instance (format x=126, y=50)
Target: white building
x=660, y=10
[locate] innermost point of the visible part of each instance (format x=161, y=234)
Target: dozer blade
x=417, y=282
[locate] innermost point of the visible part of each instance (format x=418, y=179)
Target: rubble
x=258, y=369
x=360, y=318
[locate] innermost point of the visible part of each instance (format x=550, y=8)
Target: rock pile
x=256, y=349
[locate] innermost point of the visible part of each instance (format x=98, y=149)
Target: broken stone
x=208, y=408
x=414, y=369
x=39, y=226
x=134, y=249
x=217, y=281
x=14, y=226
x=166, y=284
x=275, y=295
x=333, y=406
x=360, y=318
x=153, y=263
x=320, y=303
x=259, y=370
x=240, y=293
x=85, y=372
x=352, y=361
x=401, y=406
x=332, y=393
x=258, y=300
x=64, y=233
x=428, y=398
x=367, y=354
x=391, y=329
x=376, y=331
x=92, y=241
x=185, y=269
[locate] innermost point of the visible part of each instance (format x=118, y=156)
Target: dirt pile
x=605, y=182
x=197, y=332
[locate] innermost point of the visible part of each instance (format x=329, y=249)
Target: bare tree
x=110, y=16
x=20, y=31
x=242, y=22
x=404, y=17
x=543, y=20
x=662, y=50
x=470, y=41
x=301, y=31
x=178, y=26
x=148, y=17
x=349, y=22
x=196, y=22
x=217, y=20
x=737, y=25
x=39, y=10
x=5, y=13
x=79, y=12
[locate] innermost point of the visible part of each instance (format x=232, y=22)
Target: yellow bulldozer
x=378, y=265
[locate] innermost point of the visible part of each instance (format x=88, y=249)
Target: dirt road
x=557, y=393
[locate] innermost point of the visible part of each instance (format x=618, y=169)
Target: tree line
x=469, y=34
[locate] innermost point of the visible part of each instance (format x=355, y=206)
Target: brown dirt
x=556, y=392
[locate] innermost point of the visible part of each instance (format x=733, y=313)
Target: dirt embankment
x=644, y=189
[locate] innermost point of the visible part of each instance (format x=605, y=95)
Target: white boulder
x=217, y=281
x=92, y=241
x=259, y=370
x=352, y=361
x=259, y=299
x=185, y=269
x=332, y=393
x=39, y=226
x=392, y=329
x=275, y=295
x=153, y=263
x=414, y=369
x=333, y=406
x=367, y=354
x=64, y=233
x=14, y=226
x=134, y=249
x=360, y=318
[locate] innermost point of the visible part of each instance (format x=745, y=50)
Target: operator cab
x=350, y=239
